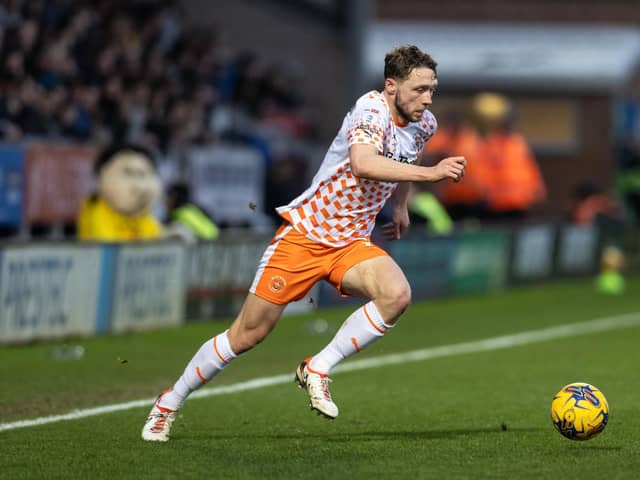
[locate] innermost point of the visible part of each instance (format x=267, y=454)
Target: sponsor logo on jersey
x=401, y=158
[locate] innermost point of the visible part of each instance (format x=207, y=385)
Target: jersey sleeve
x=429, y=125
x=367, y=122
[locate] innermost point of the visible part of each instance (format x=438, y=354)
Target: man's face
x=414, y=94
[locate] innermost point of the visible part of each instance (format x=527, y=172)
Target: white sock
x=213, y=357
x=362, y=328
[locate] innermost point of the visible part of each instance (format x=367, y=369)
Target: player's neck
x=398, y=119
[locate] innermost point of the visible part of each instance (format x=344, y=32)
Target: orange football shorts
x=293, y=263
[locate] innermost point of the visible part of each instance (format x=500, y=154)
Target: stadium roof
x=539, y=56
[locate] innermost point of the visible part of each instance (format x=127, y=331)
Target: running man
x=325, y=235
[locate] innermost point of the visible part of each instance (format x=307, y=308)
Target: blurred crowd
x=110, y=71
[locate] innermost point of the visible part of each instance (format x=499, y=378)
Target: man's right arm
x=367, y=163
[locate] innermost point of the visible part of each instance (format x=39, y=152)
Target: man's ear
x=390, y=85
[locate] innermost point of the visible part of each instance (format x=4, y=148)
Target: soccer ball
x=579, y=411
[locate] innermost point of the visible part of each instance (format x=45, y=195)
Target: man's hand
x=398, y=225
x=450, y=167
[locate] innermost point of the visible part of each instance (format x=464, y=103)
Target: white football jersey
x=339, y=208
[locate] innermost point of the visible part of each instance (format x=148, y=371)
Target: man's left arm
x=400, y=216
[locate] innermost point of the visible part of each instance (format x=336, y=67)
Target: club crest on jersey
x=277, y=283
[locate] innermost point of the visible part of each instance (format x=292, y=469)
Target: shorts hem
x=269, y=298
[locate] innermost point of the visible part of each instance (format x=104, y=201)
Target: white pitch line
x=489, y=344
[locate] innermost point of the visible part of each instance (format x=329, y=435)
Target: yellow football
x=579, y=411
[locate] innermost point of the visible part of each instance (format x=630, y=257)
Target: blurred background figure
x=184, y=218
x=593, y=206
x=428, y=208
x=455, y=136
x=514, y=182
x=627, y=133
x=610, y=280
x=286, y=178
x=598, y=209
x=120, y=209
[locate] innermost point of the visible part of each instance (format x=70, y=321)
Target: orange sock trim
x=355, y=344
x=381, y=330
x=204, y=380
x=308, y=360
x=215, y=347
x=163, y=409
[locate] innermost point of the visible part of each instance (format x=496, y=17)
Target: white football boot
x=317, y=386
x=158, y=425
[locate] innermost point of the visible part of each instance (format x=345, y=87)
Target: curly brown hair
x=399, y=62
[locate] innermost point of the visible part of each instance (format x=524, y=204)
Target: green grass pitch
x=440, y=418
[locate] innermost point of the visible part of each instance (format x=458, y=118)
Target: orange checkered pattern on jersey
x=367, y=129
x=343, y=209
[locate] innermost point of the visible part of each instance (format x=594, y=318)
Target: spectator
x=9, y=14
x=184, y=218
x=466, y=199
x=284, y=180
x=594, y=206
x=515, y=184
x=627, y=134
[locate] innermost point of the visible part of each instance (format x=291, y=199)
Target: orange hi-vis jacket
x=465, y=142
x=515, y=180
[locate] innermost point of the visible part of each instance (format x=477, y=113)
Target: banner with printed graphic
x=57, y=177
x=480, y=261
x=533, y=252
x=48, y=291
x=577, y=249
x=148, y=289
x=220, y=273
x=427, y=263
x=228, y=182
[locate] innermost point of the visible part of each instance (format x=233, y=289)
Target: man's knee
x=397, y=297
